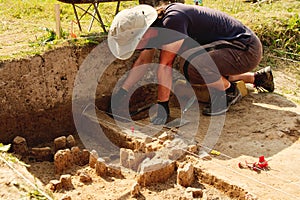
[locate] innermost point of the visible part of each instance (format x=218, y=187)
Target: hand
x=163, y=113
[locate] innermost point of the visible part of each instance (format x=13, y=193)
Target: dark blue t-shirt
x=203, y=24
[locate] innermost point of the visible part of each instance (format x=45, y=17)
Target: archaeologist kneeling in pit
x=218, y=50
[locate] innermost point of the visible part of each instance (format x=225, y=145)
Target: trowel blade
x=176, y=123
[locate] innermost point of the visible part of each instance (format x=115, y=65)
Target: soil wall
x=36, y=93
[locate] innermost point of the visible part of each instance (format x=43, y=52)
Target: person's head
x=128, y=28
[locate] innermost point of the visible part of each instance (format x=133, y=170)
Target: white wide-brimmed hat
x=128, y=28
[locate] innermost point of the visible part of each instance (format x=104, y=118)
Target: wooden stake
x=57, y=19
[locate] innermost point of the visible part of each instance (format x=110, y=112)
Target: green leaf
x=4, y=148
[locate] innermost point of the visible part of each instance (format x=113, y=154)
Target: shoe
x=263, y=80
x=222, y=100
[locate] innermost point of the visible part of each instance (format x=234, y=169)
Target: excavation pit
x=37, y=102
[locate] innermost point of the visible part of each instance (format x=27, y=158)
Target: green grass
x=277, y=23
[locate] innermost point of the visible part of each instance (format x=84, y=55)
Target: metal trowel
x=178, y=122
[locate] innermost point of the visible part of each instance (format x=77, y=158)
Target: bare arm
x=139, y=68
x=164, y=72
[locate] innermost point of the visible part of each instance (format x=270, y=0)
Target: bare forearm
x=139, y=69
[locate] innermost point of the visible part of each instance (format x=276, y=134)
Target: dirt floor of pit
x=260, y=124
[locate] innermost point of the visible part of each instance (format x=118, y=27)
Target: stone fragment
x=176, y=149
x=66, y=181
x=155, y=171
x=114, y=170
x=20, y=146
x=164, y=136
x=71, y=141
x=101, y=168
x=60, y=143
x=147, y=140
x=85, y=156
x=75, y=151
x=204, y=155
x=192, y=193
x=135, y=190
x=130, y=159
x=192, y=148
x=80, y=157
x=42, y=154
x=185, y=175
x=93, y=158
x=85, y=178
x=55, y=185
x=66, y=197
x=63, y=160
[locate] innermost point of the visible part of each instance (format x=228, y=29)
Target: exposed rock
x=63, y=160
x=101, y=168
x=192, y=193
x=176, y=148
x=80, y=157
x=185, y=175
x=60, y=143
x=130, y=159
x=135, y=190
x=71, y=141
x=65, y=197
x=55, y=185
x=66, y=181
x=85, y=178
x=193, y=148
x=114, y=170
x=93, y=158
x=20, y=146
x=163, y=136
x=155, y=170
x=42, y=154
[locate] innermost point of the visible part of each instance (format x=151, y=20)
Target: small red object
x=262, y=162
x=132, y=129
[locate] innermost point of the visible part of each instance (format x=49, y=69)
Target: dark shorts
x=209, y=62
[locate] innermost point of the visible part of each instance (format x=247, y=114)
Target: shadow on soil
x=260, y=124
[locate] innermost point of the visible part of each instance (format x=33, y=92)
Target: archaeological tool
x=178, y=122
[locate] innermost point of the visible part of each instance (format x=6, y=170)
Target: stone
x=130, y=159
x=164, y=136
x=204, y=155
x=114, y=170
x=85, y=178
x=66, y=197
x=193, y=148
x=176, y=149
x=101, y=168
x=20, y=146
x=55, y=185
x=71, y=141
x=85, y=156
x=66, y=181
x=93, y=158
x=41, y=154
x=135, y=190
x=185, y=175
x=63, y=160
x=60, y=143
x=75, y=151
x=192, y=193
x=155, y=171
